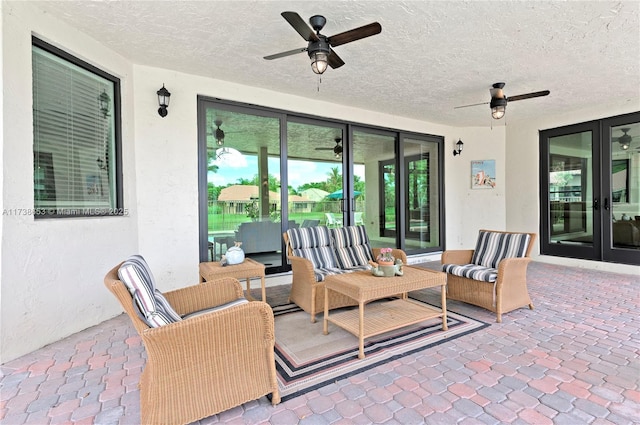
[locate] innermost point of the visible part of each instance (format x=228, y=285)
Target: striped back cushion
x=493, y=247
x=351, y=246
x=314, y=244
x=152, y=305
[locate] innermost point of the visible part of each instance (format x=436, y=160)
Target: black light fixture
x=163, y=101
x=319, y=54
x=458, y=150
x=498, y=102
x=625, y=139
x=218, y=133
x=105, y=103
x=337, y=149
x=319, y=50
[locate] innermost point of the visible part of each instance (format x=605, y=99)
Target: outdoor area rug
x=306, y=359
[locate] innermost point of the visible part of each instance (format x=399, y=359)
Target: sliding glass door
x=621, y=196
x=242, y=171
x=263, y=171
x=375, y=183
x=315, y=173
x=591, y=190
x=422, y=194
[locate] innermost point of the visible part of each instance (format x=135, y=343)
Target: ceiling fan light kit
x=319, y=58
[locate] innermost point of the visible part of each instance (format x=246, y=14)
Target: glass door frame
x=547, y=247
x=284, y=117
x=403, y=188
x=609, y=251
x=346, y=144
x=205, y=103
x=602, y=248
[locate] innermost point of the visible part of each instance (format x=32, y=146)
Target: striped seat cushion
x=314, y=244
x=239, y=301
x=472, y=271
x=492, y=247
x=321, y=274
x=351, y=246
x=154, y=308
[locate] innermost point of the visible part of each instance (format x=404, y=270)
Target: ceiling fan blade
x=324, y=149
x=300, y=26
x=355, y=34
x=288, y=53
x=466, y=106
x=528, y=95
x=334, y=60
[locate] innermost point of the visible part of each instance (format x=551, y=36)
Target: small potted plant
x=385, y=258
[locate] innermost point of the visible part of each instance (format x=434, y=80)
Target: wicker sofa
x=494, y=274
x=317, y=253
x=213, y=361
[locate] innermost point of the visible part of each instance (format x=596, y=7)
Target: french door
x=590, y=186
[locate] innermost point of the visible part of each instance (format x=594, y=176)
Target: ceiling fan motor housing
x=497, y=101
x=322, y=45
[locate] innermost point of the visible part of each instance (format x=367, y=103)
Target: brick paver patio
x=572, y=360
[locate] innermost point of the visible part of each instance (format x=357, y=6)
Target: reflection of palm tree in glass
x=389, y=188
x=334, y=182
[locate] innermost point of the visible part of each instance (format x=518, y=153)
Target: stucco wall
x=52, y=269
x=469, y=210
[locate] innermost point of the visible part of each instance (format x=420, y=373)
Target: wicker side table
x=363, y=287
x=246, y=270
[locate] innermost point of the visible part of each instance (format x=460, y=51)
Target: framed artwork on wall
x=483, y=174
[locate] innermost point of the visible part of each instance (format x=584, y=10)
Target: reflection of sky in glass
x=300, y=172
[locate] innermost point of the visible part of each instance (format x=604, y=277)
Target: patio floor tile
x=573, y=359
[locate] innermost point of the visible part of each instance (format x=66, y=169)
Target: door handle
x=595, y=204
x=606, y=204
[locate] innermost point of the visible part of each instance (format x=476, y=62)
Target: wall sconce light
x=105, y=103
x=458, y=150
x=163, y=101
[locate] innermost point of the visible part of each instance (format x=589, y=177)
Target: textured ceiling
x=430, y=57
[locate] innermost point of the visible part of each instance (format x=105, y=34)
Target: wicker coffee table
x=385, y=316
x=246, y=270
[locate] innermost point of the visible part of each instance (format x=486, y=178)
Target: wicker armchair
x=510, y=289
x=308, y=294
x=206, y=364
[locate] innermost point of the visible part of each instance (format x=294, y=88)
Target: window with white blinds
x=76, y=136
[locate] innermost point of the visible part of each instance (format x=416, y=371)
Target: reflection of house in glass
x=237, y=198
x=314, y=194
